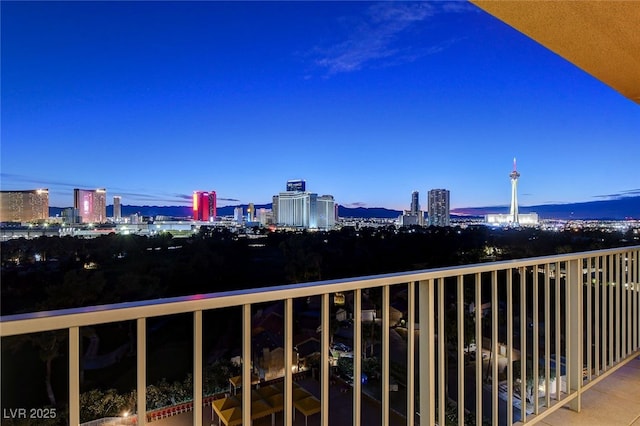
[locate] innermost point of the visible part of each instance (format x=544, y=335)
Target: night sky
x=365, y=101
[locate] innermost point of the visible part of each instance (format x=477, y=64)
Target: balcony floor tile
x=613, y=401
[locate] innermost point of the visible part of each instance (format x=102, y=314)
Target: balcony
x=451, y=345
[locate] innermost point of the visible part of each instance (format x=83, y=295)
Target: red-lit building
x=204, y=205
x=91, y=205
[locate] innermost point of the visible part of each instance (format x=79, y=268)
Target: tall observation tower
x=514, y=175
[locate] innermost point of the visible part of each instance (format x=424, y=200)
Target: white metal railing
x=575, y=321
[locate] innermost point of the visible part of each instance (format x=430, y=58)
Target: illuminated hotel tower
x=24, y=206
x=91, y=205
x=251, y=212
x=514, y=175
x=204, y=206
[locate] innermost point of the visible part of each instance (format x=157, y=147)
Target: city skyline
x=241, y=97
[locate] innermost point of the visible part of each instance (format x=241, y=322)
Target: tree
x=345, y=366
x=80, y=288
x=303, y=258
x=48, y=344
x=96, y=404
x=217, y=374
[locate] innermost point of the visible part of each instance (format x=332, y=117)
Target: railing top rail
x=91, y=315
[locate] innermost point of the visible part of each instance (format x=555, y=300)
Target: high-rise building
x=274, y=208
x=298, y=209
x=24, y=206
x=264, y=216
x=438, y=206
x=70, y=215
x=415, y=202
x=296, y=185
x=117, y=208
x=326, y=212
x=204, y=206
x=513, y=211
x=91, y=205
x=414, y=216
x=251, y=212
x=237, y=214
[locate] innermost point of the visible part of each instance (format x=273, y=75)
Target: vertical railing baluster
x=324, y=356
x=74, y=375
x=141, y=370
x=460, y=346
x=536, y=342
x=509, y=272
x=478, y=342
x=637, y=293
x=569, y=338
x=385, y=355
x=558, y=320
x=197, y=368
x=246, y=367
x=574, y=329
x=631, y=310
x=357, y=355
x=288, y=361
x=610, y=281
x=411, y=347
x=523, y=345
x=604, y=288
x=626, y=310
x=636, y=298
x=441, y=347
x=632, y=303
x=619, y=308
x=597, y=320
x=589, y=289
x=632, y=294
x=426, y=361
x=547, y=332
x=494, y=347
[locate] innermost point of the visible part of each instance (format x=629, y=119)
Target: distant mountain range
x=615, y=209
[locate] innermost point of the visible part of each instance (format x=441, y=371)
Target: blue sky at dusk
x=365, y=101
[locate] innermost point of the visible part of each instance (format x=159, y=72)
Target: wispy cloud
x=62, y=189
x=621, y=194
x=188, y=197
x=459, y=7
x=373, y=37
x=16, y=179
x=149, y=197
x=166, y=198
